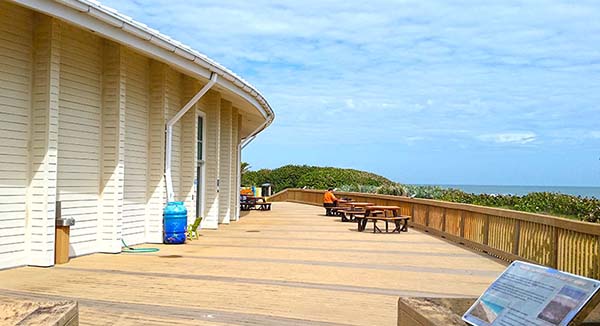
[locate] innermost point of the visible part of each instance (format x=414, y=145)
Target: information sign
x=527, y=294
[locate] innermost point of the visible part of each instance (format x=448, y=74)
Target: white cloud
x=509, y=138
x=404, y=67
x=350, y=103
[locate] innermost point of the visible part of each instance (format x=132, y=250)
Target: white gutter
x=253, y=134
x=113, y=25
x=169, y=131
x=107, y=22
x=247, y=141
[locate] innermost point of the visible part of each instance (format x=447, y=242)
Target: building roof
x=110, y=23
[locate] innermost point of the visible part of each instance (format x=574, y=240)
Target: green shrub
x=312, y=177
x=585, y=209
x=349, y=180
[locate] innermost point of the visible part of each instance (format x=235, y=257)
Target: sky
x=429, y=92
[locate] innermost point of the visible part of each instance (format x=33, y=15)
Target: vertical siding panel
x=79, y=135
x=239, y=159
x=188, y=144
x=210, y=104
x=16, y=36
x=172, y=106
x=156, y=188
x=43, y=148
x=235, y=187
x=136, y=147
x=113, y=134
x=225, y=163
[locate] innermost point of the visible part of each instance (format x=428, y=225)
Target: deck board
x=288, y=266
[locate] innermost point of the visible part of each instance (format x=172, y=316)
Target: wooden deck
x=288, y=266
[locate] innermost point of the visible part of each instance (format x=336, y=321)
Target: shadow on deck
x=288, y=266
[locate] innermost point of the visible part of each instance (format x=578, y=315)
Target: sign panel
x=527, y=294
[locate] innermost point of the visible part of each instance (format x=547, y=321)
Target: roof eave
x=124, y=30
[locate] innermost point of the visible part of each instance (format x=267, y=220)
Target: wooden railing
x=564, y=244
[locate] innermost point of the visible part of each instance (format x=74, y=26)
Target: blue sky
x=442, y=92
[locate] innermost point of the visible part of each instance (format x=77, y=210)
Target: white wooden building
x=85, y=95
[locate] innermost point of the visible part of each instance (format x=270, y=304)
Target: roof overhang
x=112, y=25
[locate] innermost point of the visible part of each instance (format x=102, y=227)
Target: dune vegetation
x=350, y=180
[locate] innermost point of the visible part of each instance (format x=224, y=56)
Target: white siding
x=44, y=142
x=82, y=122
x=15, y=71
x=173, y=105
x=113, y=148
x=189, y=156
x=225, y=163
x=156, y=187
x=79, y=136
x=235, y=187
x=136, y=147
x=211, y=105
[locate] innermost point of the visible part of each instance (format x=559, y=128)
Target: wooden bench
x=347, y=214
x=250, y=202
x=247, y=205
x=400, y=222
x=334, y=210
x=263, y=206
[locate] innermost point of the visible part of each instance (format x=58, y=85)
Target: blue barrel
x=174, y=222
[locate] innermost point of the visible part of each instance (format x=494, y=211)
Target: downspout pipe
x=241, y=146
x=252, y=136
x=169, y=132
x=245, y=143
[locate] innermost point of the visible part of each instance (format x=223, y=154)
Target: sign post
x=527, y=295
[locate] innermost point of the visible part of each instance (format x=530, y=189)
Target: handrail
x=569, y=245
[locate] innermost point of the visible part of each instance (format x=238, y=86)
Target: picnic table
x=387, y=214
x=350, y=209
x=258, y=199
x=354, y=205
x=341, y=204
x=250, y=202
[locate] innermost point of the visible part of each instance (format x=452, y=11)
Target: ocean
x=524, y=190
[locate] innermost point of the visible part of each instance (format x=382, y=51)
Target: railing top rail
x=579, y=226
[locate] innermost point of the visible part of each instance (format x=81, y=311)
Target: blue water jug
x=174, y=222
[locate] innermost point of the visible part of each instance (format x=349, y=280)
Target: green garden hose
x=128, y=249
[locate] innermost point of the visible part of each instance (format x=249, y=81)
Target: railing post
x=462, y=223
x=561, y=234
x=444, y=220
x=595, y=259
x=517, y=237
x=486, y=230
x=554, y=257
